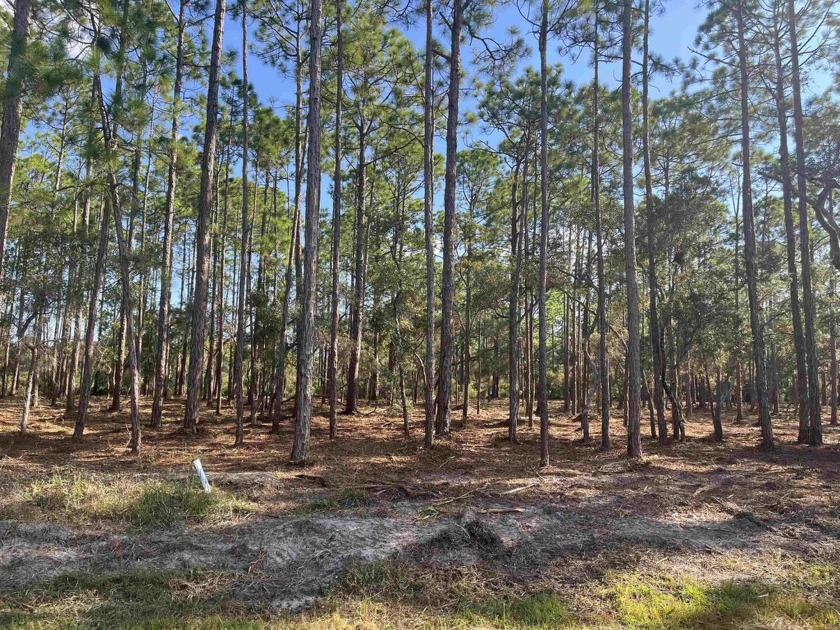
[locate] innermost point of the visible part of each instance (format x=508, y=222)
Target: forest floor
x=379, y=533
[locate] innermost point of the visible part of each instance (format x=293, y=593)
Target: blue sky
x=671, y=35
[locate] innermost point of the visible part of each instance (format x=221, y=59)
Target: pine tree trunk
x=357, y=307
x=833, y=372
x=749, y=241
x=244, y=267
x=162, y=351
x=332, y=361
x=448, y=246
x=33, y=372
x=790, y=234
x=542, y=387
x=12, y=108
x=513, y=309
x=814, y=433
x=306, y=344
x=428, y=224
x=656, y=346
x=198, y=325
x=90, y=329
x=634, y=444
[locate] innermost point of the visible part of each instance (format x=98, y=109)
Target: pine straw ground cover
x=698, y=534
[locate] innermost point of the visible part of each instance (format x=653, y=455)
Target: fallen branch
x=512, y=510
x=521, y=488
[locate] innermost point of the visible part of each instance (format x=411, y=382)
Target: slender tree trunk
x=634, y=444
x=542, y=387
x=790, y=234
x=306, y=344
x=202, y=238
x=162, y=352
x=656, y=347
x=124, y=254
x=599, y=246
x=332, y=361
x=813, y=402
x=467, y=324
x=33, y=375
x=90, y=328
x=749, y=241
x=357, y=310
x=718, y=427
x=833, y=345
x=244, y=267
x=513, y=309
x=12, y=108
x=294, y=246
x=428, y=224
x=450, y=185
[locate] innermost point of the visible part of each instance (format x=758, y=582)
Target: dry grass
x=372, y=469
x=371, y=454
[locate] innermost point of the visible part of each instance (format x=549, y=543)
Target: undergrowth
x=79, y=500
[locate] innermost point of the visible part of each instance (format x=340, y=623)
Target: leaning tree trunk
x=124, y=253
x=202, y=237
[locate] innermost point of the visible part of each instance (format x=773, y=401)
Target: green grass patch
x=667, y=602
x=345, y=500
x=543, y=610
x=447, y=597
x=80, y=500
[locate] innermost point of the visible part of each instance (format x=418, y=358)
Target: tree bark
x=428, y=224
x=450, y=185
x=162, y=351
x=749, y=240
x=202, y=237
x=599, y=246
x=814, y=416
x=303, y=406
x=542, y=386
x=655, y=340
x=332, y=361
x=357, y=310
x=244, y=267
x=634, y=444
x=12, y=108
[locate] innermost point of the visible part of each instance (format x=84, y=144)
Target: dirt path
x=291, y=561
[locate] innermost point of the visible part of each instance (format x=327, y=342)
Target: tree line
x=163, y=232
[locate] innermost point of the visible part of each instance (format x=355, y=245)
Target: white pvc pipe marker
x=202, y=478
